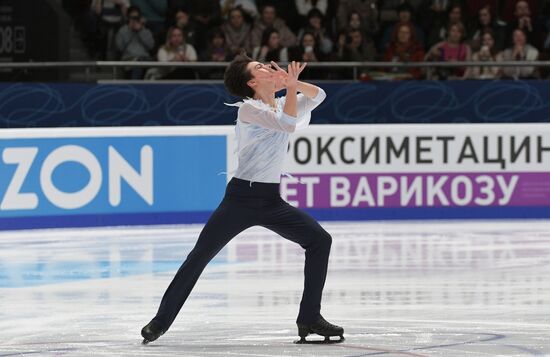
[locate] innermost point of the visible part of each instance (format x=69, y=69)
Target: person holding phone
x=134, y=40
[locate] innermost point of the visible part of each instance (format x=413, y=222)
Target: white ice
x=398, y=288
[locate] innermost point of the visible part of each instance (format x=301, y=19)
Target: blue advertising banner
x=75, y=105
x=73, y=181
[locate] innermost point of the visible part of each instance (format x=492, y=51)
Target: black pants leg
x=301, y=228
x=243, y=206
x=225, y=223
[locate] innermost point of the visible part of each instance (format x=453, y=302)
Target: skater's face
x=261, y=79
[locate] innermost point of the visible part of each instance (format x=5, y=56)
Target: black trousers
x=244, y=206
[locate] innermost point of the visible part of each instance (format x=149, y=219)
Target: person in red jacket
x=405, y=48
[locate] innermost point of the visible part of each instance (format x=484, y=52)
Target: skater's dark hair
x=237, y=75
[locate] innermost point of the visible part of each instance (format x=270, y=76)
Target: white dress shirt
x=263, y=132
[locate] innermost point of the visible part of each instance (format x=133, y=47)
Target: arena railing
x=115, y=66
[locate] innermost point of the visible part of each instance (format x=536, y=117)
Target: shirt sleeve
x=306, y=104
x=279, y=121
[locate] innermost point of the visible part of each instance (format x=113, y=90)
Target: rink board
x=159, y=175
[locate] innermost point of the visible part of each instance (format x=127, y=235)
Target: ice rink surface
x=398, y=289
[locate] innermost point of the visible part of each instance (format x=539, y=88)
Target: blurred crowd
x=320, y=30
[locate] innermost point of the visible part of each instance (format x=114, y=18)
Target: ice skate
x=151, y=332
x=323, y=328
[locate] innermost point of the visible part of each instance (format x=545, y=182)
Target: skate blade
x=326, y=341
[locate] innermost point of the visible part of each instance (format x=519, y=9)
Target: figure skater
x=264, y=124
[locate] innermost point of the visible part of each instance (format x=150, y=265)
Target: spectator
x=389, y=9
x=206, y=17
x=451, y=50
x=439, y=33
x=305, y=6
x=484, y=23
x=134, y=40
x=405, y=48
x=285, y=9
x=216, y=51
x=487, y=53
x=523, y=20
x=176, y=49
x=248, y=6
x=237, y=33
x=354, y=22
x=545, y=22
x=173, y=6
x=367, y=10
x=520, y=51
x=307, y=51
x=154, y=11
x=271, y=48
x=198, y=7
x=111, y=15
x=315, y=25
x=353, y=45
x=269, y=19
x=474, y=6
x=85, y=22
x=404, y=12
x=183, y=21
x=434, y=14
x=509, y=8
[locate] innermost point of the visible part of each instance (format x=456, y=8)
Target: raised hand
x=294, y=70
x=288, y=78
x=279, y=76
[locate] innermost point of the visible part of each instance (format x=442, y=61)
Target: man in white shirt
x=252, y=196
